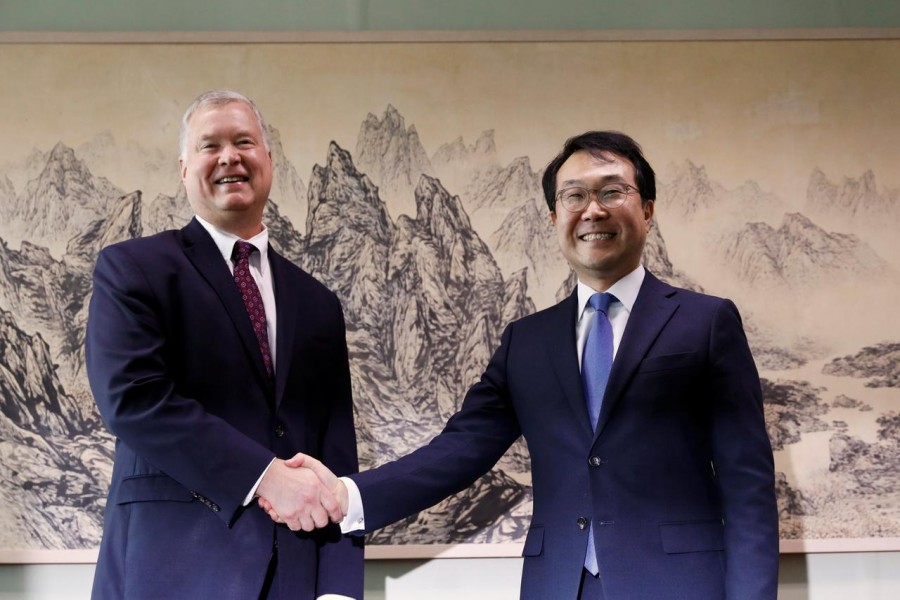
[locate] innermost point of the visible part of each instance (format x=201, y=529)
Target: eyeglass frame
x=595, y=192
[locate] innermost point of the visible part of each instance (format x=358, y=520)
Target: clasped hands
x=302, y=493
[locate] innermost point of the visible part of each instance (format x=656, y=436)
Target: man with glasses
x=641, y=405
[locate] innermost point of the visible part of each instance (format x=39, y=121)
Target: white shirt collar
x=625, y=290
x=225, y=240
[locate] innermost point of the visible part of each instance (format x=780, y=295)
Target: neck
x=242, y=228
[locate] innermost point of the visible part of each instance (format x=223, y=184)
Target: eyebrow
x=603, y=180
x=238, y=135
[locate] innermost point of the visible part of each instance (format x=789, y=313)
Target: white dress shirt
x=625, y=290
x=259, y=270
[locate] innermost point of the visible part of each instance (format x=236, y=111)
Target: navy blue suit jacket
x=178, y=377
x=678, y=478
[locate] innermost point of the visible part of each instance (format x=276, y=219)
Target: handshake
x=302, y=493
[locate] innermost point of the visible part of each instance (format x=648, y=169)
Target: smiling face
x=602, y=245
x=226, y=168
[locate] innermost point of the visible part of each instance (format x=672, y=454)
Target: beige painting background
x=769, y=112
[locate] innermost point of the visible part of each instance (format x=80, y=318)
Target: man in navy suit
x=204, y=407
x=673, y=481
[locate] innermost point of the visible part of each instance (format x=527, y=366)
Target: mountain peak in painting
x=799, y=253
x=457, y=163
x=392, y=155
x=855, y=199
x=59, y=202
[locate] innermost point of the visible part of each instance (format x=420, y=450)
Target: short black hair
x=597, y=142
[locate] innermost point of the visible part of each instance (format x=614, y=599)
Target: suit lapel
x=654, y=306
x=287, y=319
x=203, y=253
x=562, y=346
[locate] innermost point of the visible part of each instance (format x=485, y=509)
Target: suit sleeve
x=743, y=462
x=125, y=348
x=341, y=557
x=470, y=444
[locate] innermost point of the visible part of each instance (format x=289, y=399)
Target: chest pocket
x=669, y=362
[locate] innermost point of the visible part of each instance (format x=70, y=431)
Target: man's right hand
x=328, y=479
x=300, y=497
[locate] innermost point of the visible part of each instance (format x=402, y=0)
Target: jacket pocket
x=150, y=488
x=668, y=362
x=692, y=536
x=534, y=542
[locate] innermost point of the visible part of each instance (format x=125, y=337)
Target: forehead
x=221, y=118
x=586, y=167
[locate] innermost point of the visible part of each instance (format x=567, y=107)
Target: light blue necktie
x=596, y=362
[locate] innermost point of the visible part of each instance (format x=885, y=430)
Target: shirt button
x=595, y=461
x=279, y=430
x=582, y=523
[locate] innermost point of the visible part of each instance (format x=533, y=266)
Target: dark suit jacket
x=178, y=377
x=678, y=478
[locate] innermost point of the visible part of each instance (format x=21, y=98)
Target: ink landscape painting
x=408, y=181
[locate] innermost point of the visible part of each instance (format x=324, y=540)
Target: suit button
x=595, y=461
x=279, y=430
x=582, y=523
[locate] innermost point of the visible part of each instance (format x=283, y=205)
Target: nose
x=594, y=210
x=229, y=155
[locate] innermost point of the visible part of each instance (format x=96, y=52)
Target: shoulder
x=149, y=253
x=134, y=266
x=551, y=312
x=562, y=314
x=698, y=311
x=143, y=249
x=654, y=288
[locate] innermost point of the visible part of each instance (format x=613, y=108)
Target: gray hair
x=217, y=98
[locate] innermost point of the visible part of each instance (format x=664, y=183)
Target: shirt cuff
x=249, y=497
x=354, y=521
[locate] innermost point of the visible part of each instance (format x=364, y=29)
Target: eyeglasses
x=576, y=199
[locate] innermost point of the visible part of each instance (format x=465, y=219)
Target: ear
x=553, y=217
x=648, y=211
x=182, y=168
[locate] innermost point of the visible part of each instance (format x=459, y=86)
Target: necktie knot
x=242, y=251
x=601, y=301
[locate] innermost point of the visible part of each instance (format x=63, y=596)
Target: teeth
x=231, y=179
x=590, y=237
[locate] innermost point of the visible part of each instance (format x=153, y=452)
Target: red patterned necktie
x=252, y=298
